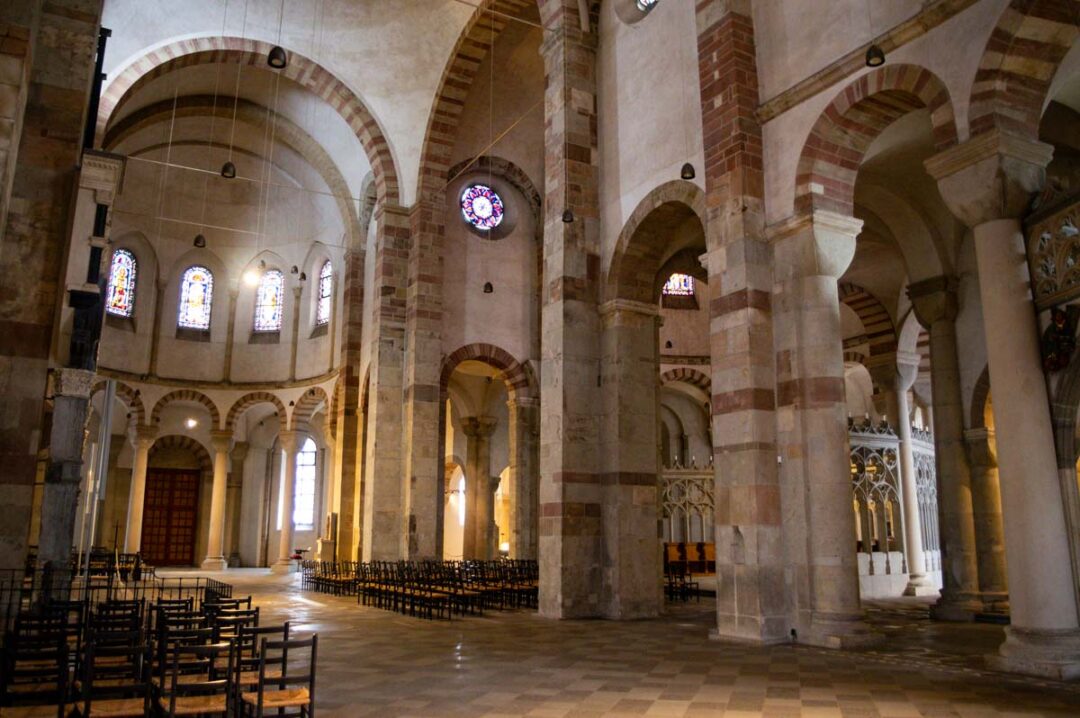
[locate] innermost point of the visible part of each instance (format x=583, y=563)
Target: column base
x=957, y=607
x=920, y=586
x=842, y=631
x=995, y=604
x=214, y=563
x=1048, y=654
x=282, y=565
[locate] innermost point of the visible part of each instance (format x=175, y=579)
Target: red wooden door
x=170, y=515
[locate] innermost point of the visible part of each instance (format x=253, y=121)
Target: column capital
x=240, y=450
x=73, y=382
x=907, y=369
x=617, y=311
x=290, y=441
x=814, y=244
x=144, y=434
x=934, y=299
x=478, y=426
x=220, y=439
x=991, y=176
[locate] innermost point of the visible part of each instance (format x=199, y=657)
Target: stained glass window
x=326, y=289
x=679, y=285
x=269, y=301
x=304, y=497
x=646, y=5
x=481, y=207
x=120, y=295
x=196, y=298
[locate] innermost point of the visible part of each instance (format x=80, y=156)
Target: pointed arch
x=186, y=395
x=246, y=51
x=834, y=149
x=251, y=399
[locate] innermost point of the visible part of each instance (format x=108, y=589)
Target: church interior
x=391, y=343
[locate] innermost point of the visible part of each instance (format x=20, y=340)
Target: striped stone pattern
x=519, y=378
x=830, y=159
x=312, y=400
x=346, y=409
x=176, y=442
x=244, y=51
x=129, y=396
x=191, y=396
x=875, y=319
x=693, y=377
x=251, y=399
x=1021, y=57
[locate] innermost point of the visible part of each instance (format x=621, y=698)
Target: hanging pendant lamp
x=277, y=58
x=875, y=56
x=688, y=172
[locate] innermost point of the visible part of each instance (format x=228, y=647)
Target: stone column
x=144, y=439
x=907, y=371
x=290, y=444
x=989, y=528
x=524, y=475
x=234, y=500
x=811, y=253
x=934, y=301
x=349, y=431
x=383, y=525
x=479, y=502
x=570, y=414
x=215, y=543
x=630, y=447
x=60, y=496
x=987, y=182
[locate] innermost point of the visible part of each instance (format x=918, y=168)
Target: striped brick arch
x=880, y=333
x=129, y=396
x=825, y=178
x=308, y=404
x=190, y=396
x=183, y=443
x=693, y=377
x=519, y=378
x=237, y=50
x=644, y=245
x=249, y=400
x=1021, y=57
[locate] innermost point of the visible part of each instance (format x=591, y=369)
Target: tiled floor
x=376, y=663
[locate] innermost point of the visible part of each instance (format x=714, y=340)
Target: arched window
x=326, y=290
x=120, y=295
x=304, y=498
x=196, y=298
x=269, y=301
x=679, y=285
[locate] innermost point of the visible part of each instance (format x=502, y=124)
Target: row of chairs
x=125, y=658
x=429, y=589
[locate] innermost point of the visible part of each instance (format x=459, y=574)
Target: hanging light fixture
x=277, y=57
x=567, y=216
x=228, y=170
x=688, y=172
x=875, y=56
x=200, y=240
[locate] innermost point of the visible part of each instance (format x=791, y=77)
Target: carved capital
x=290, y=441
x=75, y=383
x=220, y=439
x=934, y=299
x=240, y=450
x=479, y=427
x=627, y=311
x=101, y=172
x=981, y=448
x=144, y=437
x=907, y=369
x=991, y=176
x=821, y=244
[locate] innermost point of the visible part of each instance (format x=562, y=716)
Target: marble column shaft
x=290, y=444
x=936, y=307
x=988, y=182
x=144, y=439
x=914, y=551
x=215, y=555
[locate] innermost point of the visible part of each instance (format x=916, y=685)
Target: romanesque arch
x=519, y=378
x=302, y=70
x=1022, y=54
x=129, y=396
x=880, y=333
x=249, y=400
x=185, y=443
x=830, y=159
x=308, y=404
x=186, y=395
x=690, y=376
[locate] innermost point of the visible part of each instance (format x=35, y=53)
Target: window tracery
x=326, y=290
x=482, y=207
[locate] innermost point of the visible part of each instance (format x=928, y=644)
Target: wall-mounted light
x=251, y=277
x=488, y=288
x=688, y=172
